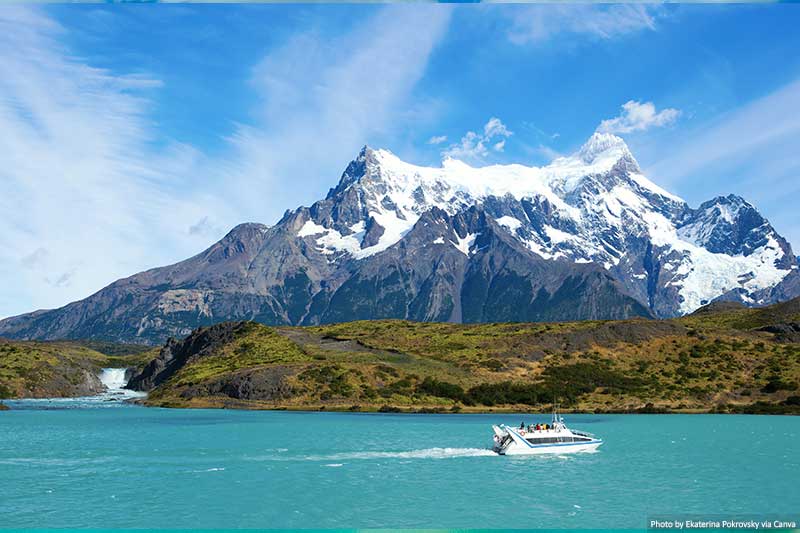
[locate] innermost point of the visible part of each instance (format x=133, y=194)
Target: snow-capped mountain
x=595, y=206
x=587, y=236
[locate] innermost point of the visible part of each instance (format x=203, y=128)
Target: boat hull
x=516, y=448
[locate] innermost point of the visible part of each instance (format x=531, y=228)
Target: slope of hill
x=724, y=359
x=60, y=369
x=586, y=237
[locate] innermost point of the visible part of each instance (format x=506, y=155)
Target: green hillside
x=723, y=358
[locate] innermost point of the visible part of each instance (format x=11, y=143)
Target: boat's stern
x=506, y=440
x=501, y=438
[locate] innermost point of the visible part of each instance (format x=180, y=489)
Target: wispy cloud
x=539, y=23
x=475, y=147
x=82, y=190
x=90, y=192
x=206, y=227
x=547, y=152
x=35, y=258
x=321, y=100
x=437, y=139
x=638, y=116
x=751, y=150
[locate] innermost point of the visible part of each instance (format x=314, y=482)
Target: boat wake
x=427, y=453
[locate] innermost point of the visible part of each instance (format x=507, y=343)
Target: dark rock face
x=426, y=278
x=789, y=332
x=175, y=354
x=386, y=243
x=265, y=384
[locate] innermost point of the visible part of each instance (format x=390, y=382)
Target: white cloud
x=495, y=128
x=84, y=195
x=88, y=191
x=638, y=116
x=475, y=147
x=322, y=100
x=540, y=23
x=437, y=139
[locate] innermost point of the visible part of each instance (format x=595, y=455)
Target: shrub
x=495, y=365
x=565, y=383
x=775, y=384
x=792, y=400
x=442, y=389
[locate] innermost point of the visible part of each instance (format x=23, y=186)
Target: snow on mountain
x=594, y=206
x=464, y=245
x=585, y=237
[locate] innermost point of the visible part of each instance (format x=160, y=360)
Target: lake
x=108, y=465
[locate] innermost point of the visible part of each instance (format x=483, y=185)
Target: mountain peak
x=366, y=160
x=727, y=207
x=366, y=152
x=603, y=145
x=732, y=199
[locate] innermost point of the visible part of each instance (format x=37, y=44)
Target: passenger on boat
x=522, y=425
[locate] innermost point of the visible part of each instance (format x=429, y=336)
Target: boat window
x=543, y=440
x=553, y=440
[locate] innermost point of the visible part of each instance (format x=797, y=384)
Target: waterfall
x=115, y=381
x=113, y=378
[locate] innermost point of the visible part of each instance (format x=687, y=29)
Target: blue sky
x=133, y=136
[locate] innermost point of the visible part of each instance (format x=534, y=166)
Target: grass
x=716, y=361
x=255, y=346
x=34, y=369
x=710, y=361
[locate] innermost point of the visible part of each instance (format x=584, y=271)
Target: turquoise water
x=125, y=467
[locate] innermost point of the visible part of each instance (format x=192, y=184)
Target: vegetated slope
x=586, y=237
x=61, y=369
x=723, y=359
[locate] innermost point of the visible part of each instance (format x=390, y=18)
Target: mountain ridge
x=586, y=237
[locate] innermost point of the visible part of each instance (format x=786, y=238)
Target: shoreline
x=227, y=404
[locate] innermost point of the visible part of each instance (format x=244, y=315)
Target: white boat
x=554, y=437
